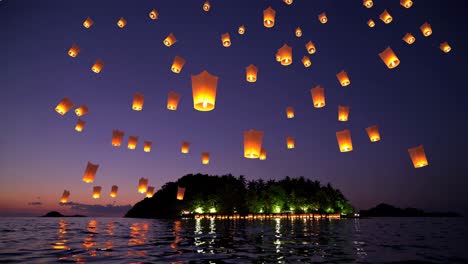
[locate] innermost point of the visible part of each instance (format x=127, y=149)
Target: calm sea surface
x=121, y=240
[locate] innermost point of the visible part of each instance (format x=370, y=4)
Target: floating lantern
x=290, y=142
x=285, y=54
x=343, y=113
x=117, y=138
x=154, y=14
x=373, y=133
x=132, y=142
x=226, y=40
x=310, y=46
x=252, y=143
x=122, y=22
x=97, y=192
x=80, y=125
x=306, y=61
x=241, y=30
x=251, y=73
x=426, y=29
x=138, y=100
x=408, y=38
x=263, y=154
x=150, y=192
x=97, y=66
x=173, y=100
x=406, y=3
x=269, y=17
x=74, y=51
x=90, y=172
x=323, y=18
x=298, y=32
x=170, y=40
x=206, y=6
x=65, y=196
x=318, y=96
x=288, y=2
x=82, y=110
x=180, y=193
x=142, y=185
x=389, y=58
x=88, y=22
x=147, y=146
x=343, y=78
x=64, y=106
x=418, y=156
x=177, y=64
x=185, y=148
x=344, y=140
x=114, y=190
x=289, y=112
x=205, y=158
x=368, y=3
x=204, y=91
x=445, y=47
x=386, y=17
x=371, y=23
x=277, y=57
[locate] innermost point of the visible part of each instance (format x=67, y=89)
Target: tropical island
x=228, y=195
x=386, y=210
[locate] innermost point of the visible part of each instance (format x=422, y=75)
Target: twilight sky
x=422, y=101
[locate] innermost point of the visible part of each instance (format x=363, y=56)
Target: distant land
x=57, y=214
x=386, y=210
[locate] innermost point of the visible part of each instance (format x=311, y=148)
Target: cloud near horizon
x=35, y=203
x=97, y=209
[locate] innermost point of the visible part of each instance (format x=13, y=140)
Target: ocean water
x=121, y=240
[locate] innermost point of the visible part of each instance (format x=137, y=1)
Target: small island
x=57, y=214
x=386, y=210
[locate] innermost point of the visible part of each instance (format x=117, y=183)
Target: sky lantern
x=82, y=110
x=97, y=192
x=251, y=73
x=80, y=125
x=206, y=6
x=406, y=3
x=252, y=143
x=172, y=100
x=117, y=138
x=142, y=185
x=263, y=154
x=90, y=172
x=170, y=40
x=323, y=18
x=310, y=46
x=409, y=38
x=177, y=64
x=65, y=196
x=426, y=29
x=97, y=66
x=269, y=17
x=389, y=58
x=154, y=14
x=318, y=96
x=277, y=57
x=285, y=53
x=114, y=191
x=343, y=78
x=386, y=17
x=132, y=142
x=147, y=146
x=204, y=91
x=88, y=22
x=289, y=112
x=180, y=193
x=298, y=32
x=371, y=23
x=368, y=3
x=343, y=113
x=226, y=40
x=241, y=30
x=344, y=140
x=418, y=156
x=288, y=2
x=138, y=101
x=445, y=47
x=122, y=22
x=185, y=147
x=306, y=61
x=150, y=192
x=74, y=51
x=290, y=142
x=205, y=158
x=64, y=106
x=373, y=133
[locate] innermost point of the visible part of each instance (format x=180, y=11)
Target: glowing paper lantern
x=310, y=46
x=97, y=192
x=150, y=192
x=80, y=125
x=285, y=53
x=343, y=113
x=251, y=73
x=426, y=29
x=269, y=17
x=142, y=185
x=90, y=172
x=323, y=18
x=344, y=140
x=114, y=191
x=290, y=142
x=252, y=143
x=97, y=66
x=88, y=22
x=204, y=91
x=82, y=110
x=386, y=17
x=241, y=30
x=122, y=22
x=132, y=142
x=408, y=38
x=289, y=112
x=343, y=78
x=154, y=14
x=65, y=196
x=64, y=106
x=177, y=64
x=206, y=6
x=147, y=146
x=406, y=3
x=138, y=101
x=185, y=148
x=226, y=40
x=445, y=47
x=117, y=138
x=368, y=3
x=172, y=100
x=288, y=2
x=170, y=40
x=418, y=156
x=277, y=57
x=371, y=23
x=373, y=133
x=263, y=154
x=74, y=51
x=180, y=193
x=389, y=58
x=306, y=61
x=298, y=32
x=205, y=158
x=318, y=96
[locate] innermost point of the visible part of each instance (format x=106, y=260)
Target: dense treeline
x=228, y=194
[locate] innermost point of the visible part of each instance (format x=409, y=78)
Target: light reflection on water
x=115, y=240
